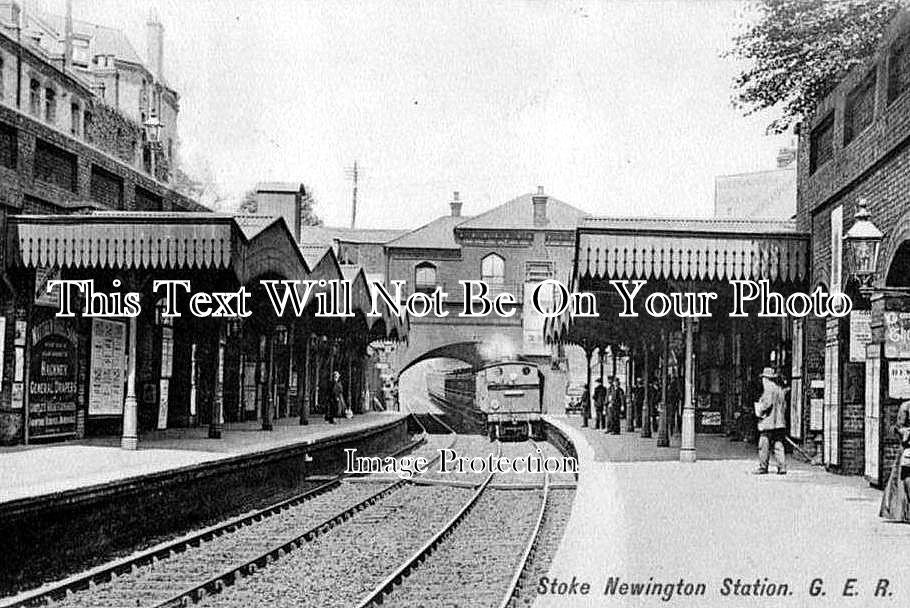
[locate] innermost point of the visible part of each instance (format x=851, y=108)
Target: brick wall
x=872, y=163
x=20, y=182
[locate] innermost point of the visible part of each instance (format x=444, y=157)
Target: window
x=34, y=97
x=425, y=277
x=87, y=125
x=492, y=269
x=50, y=105
x=859, y=108
x=821, y=144
x=55, y=166
x=8, y=146
x=898, y=69
x=75, y=115
x=107, y=188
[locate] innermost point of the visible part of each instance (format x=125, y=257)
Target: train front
x=510, y=394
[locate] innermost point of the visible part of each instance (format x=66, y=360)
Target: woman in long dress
x=896, y=499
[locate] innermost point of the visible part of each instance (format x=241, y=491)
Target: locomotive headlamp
x=494, y=404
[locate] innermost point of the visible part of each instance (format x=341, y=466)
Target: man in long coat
x=772, y=423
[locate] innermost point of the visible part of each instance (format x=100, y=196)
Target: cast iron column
x=687, y=444
x=217, y=420
x=130, y=438
x=663, y=434
x=303, y=381
x=646, y=402
x=267, y=390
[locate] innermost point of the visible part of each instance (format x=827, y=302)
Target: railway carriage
x=510, y=394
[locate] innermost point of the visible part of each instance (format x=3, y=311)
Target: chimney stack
x=155, y=46
x=539, y=201
x=455, y=205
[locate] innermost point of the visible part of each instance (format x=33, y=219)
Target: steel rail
x=514, y=590
x=216, y=584
x=384, y=588
x=55, y=591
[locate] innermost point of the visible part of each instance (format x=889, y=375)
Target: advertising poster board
x=108, y=362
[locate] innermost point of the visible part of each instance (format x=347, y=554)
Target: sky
x=618, y=108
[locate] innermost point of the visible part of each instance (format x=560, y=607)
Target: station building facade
x=853, y=149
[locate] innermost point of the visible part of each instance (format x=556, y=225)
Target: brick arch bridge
x=468, y=340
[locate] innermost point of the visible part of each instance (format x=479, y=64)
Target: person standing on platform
x=615, y=402
x=337, y=403
x=896, y=498
x=600, y=404
x=772, y=423
x=585, y=406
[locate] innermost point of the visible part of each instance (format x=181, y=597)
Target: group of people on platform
x=611, y=405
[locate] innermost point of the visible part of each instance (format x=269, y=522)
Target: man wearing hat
x=772, y=423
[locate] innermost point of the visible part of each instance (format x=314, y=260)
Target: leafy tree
x=798, y=50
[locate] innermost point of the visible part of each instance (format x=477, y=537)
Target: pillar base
x=687, y=455
x=129, y=443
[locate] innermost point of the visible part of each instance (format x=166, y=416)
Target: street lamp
x=153, y=139
x=861, y=244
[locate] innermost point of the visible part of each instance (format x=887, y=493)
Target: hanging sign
x=107, y=370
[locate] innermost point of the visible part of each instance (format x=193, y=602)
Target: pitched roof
x=313, y=254
x=438, y=234
x=754, y=195
x=279, y=187
x=251, y=225
x=518, y=214
x=327, y=235
x=104, y=40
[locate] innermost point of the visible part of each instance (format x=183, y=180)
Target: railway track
x=338, y=545
x=185, y=569
x=489, y=545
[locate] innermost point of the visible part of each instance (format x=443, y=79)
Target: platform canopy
x=676, y=251
x=248, y=246
x=691, y=249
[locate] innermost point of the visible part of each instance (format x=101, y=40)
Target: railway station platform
x=640, y=516
x=39, y=470
x=69, y=506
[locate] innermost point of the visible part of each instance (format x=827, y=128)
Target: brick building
x=88, y=81
x=853, y=147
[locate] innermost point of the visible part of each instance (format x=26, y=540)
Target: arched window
x=493, y=269
x=425, y=276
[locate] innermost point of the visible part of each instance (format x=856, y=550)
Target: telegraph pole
x=353, y=173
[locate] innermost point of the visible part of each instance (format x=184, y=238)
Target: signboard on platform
x=899, y=379
x=897, y=335
x=107, y=368
x=860, y=334
x=52, y=379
